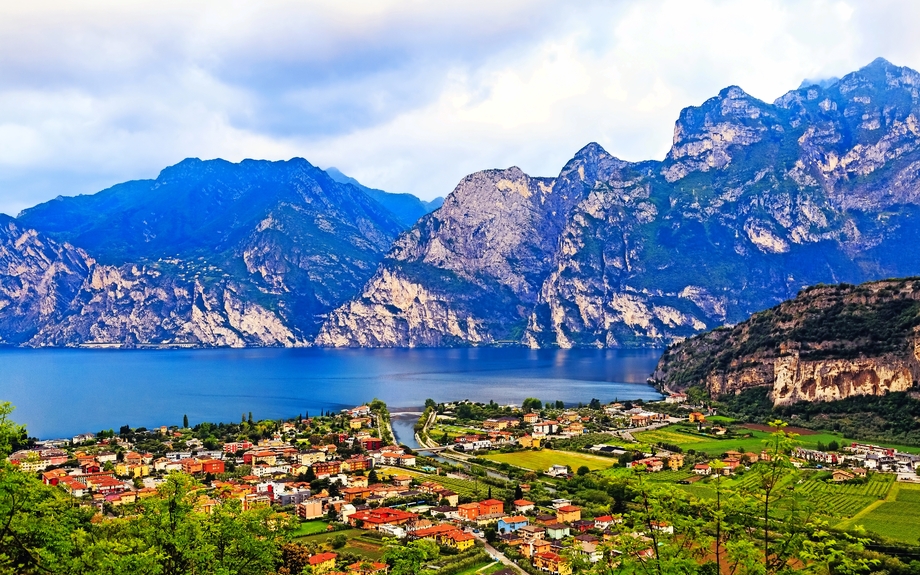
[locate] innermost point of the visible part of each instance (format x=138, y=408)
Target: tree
x=560, y=404
x=518, y=492
x=11, y=434
x=531, y=404
x=185, y=422
x=339, y=541
x=250, y=418
x=430, y=403
x=774, y=492
x=595, y=404
x=583, y=470
x=408, y=559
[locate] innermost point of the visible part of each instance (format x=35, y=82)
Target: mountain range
x=753, y=202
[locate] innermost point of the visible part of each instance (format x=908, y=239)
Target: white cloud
x=405, y=96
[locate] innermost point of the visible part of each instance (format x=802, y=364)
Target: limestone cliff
x=829, y=343
x=210, y=253
x=754, y=201
x=53, y=294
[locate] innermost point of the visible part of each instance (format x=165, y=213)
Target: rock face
x=829, y=343
x=53, y=294
x=38, y=280
x=753, y=202
x=208, y=254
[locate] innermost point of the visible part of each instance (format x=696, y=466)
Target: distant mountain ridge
x=407, y=208
x=753, y=202
x=208, y=253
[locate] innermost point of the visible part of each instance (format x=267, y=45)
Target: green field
x=677, y=435
x=310, y=528
x=546, y=458
x=436, y=432
x=474, y=489
x=359, y=542
x=896, y=518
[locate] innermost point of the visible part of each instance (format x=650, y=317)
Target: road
x=500, y=556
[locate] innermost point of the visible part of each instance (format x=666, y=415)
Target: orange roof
x=434, y=530
x=514, y=519
x=458, y=535
x=491, y=502
x=522, y=502
x=322, y=558
x=569, y=508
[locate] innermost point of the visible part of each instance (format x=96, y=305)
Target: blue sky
x=405, y=96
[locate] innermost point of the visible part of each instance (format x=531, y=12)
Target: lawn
x=359, y=542
x=896, y=518
x=474, y=489
x=310, y=528
x=546, y=458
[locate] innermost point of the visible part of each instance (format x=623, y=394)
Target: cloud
x=403, y=95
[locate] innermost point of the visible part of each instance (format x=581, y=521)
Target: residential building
x=322, y=563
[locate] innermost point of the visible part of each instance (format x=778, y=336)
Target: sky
x=404, y=95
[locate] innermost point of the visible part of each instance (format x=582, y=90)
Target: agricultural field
x=845, y=501
x=546, y=458
x=896, y=517
x=678, y=435
x=359, y=542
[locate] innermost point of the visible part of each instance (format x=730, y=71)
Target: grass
x=474, y=489
x=359, y=543
x=545, y=458
x=310, y=528
x=896, y=518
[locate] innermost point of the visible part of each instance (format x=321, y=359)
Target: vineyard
x=897, y=516
x=844, y=501
x=669, y=476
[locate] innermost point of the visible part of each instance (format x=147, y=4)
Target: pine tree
x=184, y=422
x=250, y=418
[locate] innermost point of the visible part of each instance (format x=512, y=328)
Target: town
x=499, y=489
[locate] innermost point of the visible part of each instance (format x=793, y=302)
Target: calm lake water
x=58, y=393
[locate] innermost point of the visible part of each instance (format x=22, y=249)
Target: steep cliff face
x=753, y=202
x=53, y=294
x=215, y=253
x=38, y=280
x=471, y=271
x=829, y=343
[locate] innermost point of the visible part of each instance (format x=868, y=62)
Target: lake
x=62, y=392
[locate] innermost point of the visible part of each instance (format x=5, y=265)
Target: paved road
x=500, y=556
